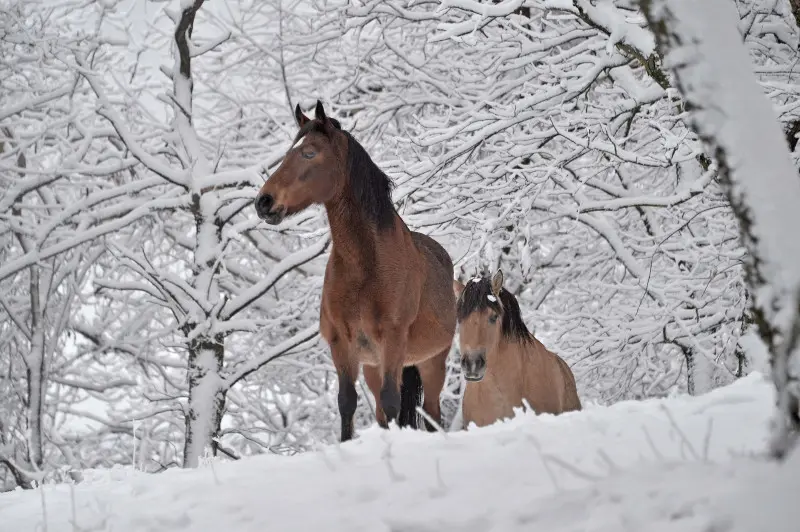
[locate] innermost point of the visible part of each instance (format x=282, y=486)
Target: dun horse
x=387, y=299
x=501, y=360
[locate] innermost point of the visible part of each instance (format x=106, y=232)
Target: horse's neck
x=510, y=361
x=355, y=239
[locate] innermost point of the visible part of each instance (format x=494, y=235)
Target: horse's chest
x=485, y=402
x=348, y=305
x=357, y=308
x=354, y=315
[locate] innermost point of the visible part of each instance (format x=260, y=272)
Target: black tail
x=410, y=397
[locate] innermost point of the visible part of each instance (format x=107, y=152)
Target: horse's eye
x=309, y=154
x=493, y=319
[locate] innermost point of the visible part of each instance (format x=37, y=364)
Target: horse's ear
x=320, y=112
x=497, y=282
x=300, y=117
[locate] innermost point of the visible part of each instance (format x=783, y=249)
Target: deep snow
x=687, y=464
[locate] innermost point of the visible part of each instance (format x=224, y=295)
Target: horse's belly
x=421, y=347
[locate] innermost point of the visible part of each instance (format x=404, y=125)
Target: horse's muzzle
x=266, y=210
x=474, y=365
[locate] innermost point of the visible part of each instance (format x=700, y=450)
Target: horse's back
x=434, y=250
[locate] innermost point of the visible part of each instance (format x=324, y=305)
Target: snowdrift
x=683, y=464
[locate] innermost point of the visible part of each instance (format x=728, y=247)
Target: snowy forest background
x=139, y=292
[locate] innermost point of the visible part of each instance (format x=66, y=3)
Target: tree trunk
x=795, y=7
x=35, y=373
x=206, y=350
x=731, y=114
x=690, y=370
x=206, y=400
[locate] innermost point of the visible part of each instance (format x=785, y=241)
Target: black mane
x=371, y=187
x=475, y=298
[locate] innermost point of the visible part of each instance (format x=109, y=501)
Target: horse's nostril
x=474, y=364
x=264, y=203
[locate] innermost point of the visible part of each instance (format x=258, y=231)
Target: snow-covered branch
x=731, y=113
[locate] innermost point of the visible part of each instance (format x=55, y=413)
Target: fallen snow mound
x=682, y=464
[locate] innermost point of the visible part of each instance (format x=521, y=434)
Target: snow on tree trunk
x=702, y=375
x=206, y=350
x=206, y=400
x=701, y=44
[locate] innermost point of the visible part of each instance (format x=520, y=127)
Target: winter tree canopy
x=144, y=307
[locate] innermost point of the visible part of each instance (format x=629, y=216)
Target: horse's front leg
x=395, y=342
x=347, y=371
x=372, y=374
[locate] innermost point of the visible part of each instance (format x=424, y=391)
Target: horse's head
x=313, y=170
x=479, y=311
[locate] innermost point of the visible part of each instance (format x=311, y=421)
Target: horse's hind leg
x=433, y=372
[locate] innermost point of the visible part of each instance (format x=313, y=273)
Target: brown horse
x=387, y=301
x=503, y=363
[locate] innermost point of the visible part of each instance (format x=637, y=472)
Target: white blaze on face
x=299, y=142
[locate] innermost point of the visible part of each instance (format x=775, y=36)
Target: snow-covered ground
x=688, y=464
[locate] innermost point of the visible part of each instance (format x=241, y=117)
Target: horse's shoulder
x=547, y=356
x=562, y=364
